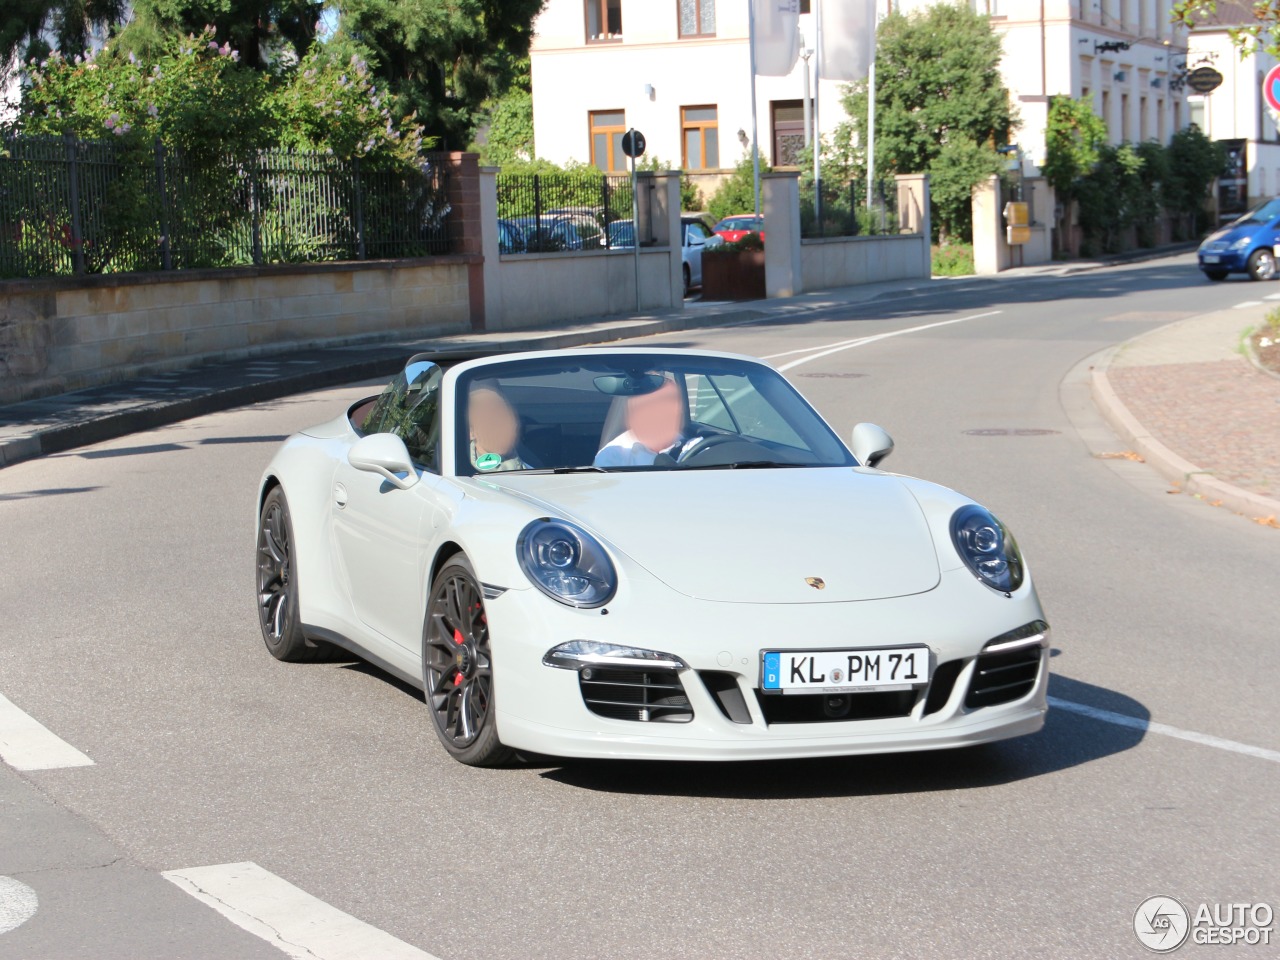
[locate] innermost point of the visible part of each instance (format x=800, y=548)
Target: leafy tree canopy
x=1073, y=136
x=941, y=106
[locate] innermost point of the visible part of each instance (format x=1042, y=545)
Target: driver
x=495, y=431
x=655, y=425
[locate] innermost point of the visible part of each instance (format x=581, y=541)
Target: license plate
x=842, y=671
x=1212, y=258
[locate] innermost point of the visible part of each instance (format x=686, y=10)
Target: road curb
x=1194, y=479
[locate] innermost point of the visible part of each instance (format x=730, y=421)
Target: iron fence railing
x=567, y=212
x=69, y=206
x=845, y=211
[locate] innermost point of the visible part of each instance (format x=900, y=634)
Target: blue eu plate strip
x=773, y=671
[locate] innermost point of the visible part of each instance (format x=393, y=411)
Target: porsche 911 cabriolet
x=645, y=553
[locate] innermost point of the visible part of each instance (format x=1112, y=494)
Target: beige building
x=679, y=71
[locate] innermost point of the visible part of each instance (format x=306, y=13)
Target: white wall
x=572, y=78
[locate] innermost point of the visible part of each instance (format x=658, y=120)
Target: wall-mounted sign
x=1204, y=79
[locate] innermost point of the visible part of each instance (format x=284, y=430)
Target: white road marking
x=26, y=745
x=1137, y=723
x=827, y=349
x=1272, y=296
x=18, y=904
x=288, y=918
x=1248, y=303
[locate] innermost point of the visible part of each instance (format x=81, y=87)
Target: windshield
x=739, y=223
x=636, y=412
x=1264, y=214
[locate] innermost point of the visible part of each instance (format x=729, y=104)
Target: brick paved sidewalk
x=1191, y=389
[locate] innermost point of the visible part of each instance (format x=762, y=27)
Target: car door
x=385, y=536
x=695, y=239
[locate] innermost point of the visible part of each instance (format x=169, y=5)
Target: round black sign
x=633, y=143
x=1204, y=79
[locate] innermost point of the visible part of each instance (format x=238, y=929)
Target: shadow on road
x=1067, y=740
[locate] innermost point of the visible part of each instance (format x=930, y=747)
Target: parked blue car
x=1247, y=245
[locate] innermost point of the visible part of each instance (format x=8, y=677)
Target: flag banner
x=777, y=36
x=848, y=38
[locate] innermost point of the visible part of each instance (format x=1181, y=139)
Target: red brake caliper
x=457, y=638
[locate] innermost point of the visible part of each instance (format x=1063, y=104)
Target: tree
x=941, y=106
x=24, y=23
x=1263, y=32
x=258, y=29
x=442, y=59
x=1073, y=135
x=737, y=193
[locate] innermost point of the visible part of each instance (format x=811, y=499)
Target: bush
x=953, y=260
x=737, y=193
x=748, y=241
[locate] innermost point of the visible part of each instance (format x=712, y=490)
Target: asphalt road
x=127, y=628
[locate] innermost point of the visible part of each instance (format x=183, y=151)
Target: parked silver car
x=695, y=236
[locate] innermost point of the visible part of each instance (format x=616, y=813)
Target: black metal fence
x=844, y=211
x=69, y=206
x=556, y=212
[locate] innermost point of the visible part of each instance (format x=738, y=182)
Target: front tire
x=457, y=668
x=278, y=585
x=688, y=280
x=1262, y=265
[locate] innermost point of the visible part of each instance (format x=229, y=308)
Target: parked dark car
x=510, y=237
x=551, y=233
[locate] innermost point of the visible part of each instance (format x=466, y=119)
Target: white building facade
x=1236, y=112
x=677, y=70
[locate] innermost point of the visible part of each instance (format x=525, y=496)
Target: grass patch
x=953, y=260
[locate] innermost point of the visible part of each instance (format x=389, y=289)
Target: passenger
x=495, y=431
x=655, y=425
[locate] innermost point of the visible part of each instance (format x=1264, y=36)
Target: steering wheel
x=705, y=444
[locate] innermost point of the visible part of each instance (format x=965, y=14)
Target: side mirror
x=871, y=444
x=386, y=455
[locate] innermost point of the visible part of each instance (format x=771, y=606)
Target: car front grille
x=835, y=708
x=1003, y=677
x=650, y=696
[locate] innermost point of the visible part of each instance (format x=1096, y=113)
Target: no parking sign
x=1271, y=88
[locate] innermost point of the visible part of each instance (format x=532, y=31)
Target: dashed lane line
x=1245, y=304
x=827, y=349
x=27, y=745
x=288, y=918
x=1272, y=296
x=1137, y=723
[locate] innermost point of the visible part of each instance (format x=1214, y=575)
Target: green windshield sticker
x=488, y=461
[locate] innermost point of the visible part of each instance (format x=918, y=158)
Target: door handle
x=340, y=495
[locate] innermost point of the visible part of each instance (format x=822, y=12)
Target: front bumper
x=541, y=709
x=1229, y=260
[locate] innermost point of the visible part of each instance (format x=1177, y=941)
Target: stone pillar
x=491, y=303
x=914, y=215
x=990, y=252
x=466, y=225
x=780, y=206
x=665, y=210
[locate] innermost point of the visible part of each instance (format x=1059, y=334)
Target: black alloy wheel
x=278, y=585
x=457, y=668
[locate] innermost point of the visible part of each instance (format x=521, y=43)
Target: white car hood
x=753, y=536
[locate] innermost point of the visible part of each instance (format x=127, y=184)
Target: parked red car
x=738, y=226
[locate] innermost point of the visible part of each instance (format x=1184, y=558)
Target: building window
x=604, y=20
x=697, y=18
x=607, y=128
x=700, y=134
x=804, y=6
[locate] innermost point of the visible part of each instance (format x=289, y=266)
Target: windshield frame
x=822, y=442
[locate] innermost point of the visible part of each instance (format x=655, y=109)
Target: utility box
x=1017, y=219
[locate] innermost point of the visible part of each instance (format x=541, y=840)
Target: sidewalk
x=1194, y=406
x=53, y=424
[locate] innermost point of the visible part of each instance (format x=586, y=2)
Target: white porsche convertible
x=659, y=554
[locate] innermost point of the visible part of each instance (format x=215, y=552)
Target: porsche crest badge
x=816, y=582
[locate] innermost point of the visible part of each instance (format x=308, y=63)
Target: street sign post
x=633, y=146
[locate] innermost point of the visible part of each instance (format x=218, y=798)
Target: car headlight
x=987, y=548
x=566, y=563
x=1242, y=243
